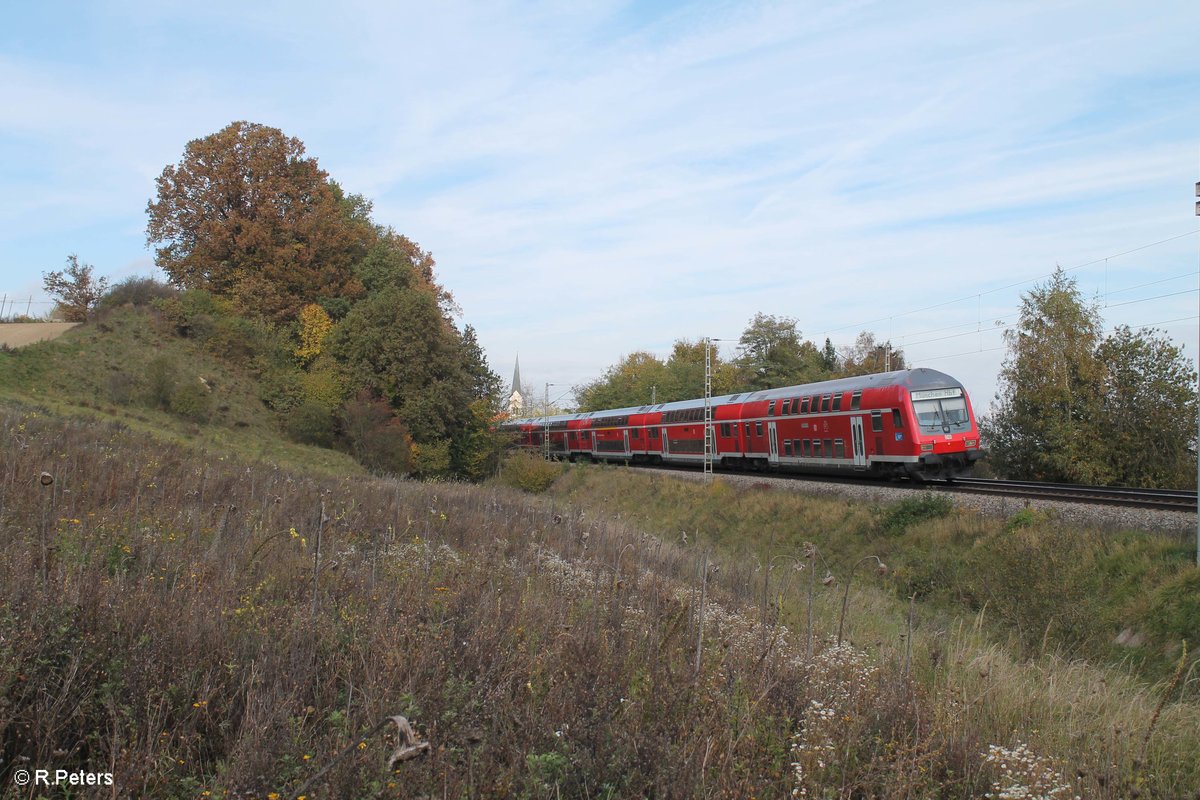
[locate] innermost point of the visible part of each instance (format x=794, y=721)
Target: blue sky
x=596, y=178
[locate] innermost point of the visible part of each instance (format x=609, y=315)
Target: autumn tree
x=1051, y=383
x=75, y=289
x=1147, y=421
x=867, y=356
x=246, y=215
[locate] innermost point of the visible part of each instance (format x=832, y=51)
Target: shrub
x=192, y=401
x=897, y=518
x=376, y=439
x=530, y=472
x=311, y=423
x=120, y=387
x=137, y=292
x=160, y=381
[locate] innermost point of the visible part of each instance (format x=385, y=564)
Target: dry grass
x=194, y=624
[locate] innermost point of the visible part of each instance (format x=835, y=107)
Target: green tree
x=397, y=344
x=75, y=289
x=774, y=354
x=246, y=215
x=829, y=357
x=629, y=382
x=685, y=372
x=1049, y=401
x=1148, y=419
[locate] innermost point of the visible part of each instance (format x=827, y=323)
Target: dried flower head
x=46, y=479
x=828, y=579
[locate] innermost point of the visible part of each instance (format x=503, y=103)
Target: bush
x=377, y=440
x=160, y=381
x=192, y=401
x=311, y=423
x=137, y=292
x=529, y=472
x=925, y=506
x=120, y=387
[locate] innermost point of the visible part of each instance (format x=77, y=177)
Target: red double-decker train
x=915, y=423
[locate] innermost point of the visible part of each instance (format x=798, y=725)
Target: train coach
x=915, y=423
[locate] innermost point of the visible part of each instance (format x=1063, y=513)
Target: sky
x=599, y=178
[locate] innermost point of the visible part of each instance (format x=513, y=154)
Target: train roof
x=920, y=378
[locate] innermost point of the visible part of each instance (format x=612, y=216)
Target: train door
x=772, y=443
x=857, y=442
x=666, y=443
x=626, y=441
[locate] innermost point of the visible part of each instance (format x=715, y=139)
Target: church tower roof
x=516, y=384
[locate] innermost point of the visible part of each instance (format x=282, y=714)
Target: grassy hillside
x=197, y=623
x=1040, y=585
x=128, y=366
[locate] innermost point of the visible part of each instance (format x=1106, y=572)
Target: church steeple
x=516, y=400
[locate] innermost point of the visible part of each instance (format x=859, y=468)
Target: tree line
x=1074, y=405
x=771, y=352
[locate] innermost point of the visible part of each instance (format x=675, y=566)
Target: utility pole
x=1198, y=414
x=546, y=425
x=710, y=440
x=708, y=418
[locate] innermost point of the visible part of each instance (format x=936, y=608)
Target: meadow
x=203, y=623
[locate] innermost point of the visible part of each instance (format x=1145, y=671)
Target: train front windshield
x=943, y=415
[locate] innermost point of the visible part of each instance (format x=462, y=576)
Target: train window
x=795, y=405
x=877, y=421
x=804, y=405
x=839, y=448
x=787, y=407
x=807, y=447
x=828, y=448
x=856, y=401
x=816, y=447
x=747, y=428
x=824, y=402
x=758, y=429
x=771, y=409
x=837, y=402
x=897, y=420
x=654, y=433
x=725, y=429
x=787, y=447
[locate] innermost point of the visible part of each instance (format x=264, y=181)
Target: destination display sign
x=936, y=394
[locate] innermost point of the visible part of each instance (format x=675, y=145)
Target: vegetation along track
x=1168, y=499
x=1128, y=497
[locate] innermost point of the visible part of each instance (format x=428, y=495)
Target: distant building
x=516, y=401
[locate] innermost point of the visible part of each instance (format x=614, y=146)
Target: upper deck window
x=856, y=401
x=837, y=402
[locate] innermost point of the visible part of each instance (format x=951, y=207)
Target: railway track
x=1157, y=499
x=1161, y=499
